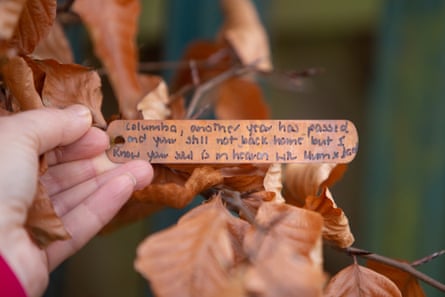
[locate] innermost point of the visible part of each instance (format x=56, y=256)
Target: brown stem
x=427, y=258
x=235, y=200
x=397, y=264
x=211, y=83
x=211, y=61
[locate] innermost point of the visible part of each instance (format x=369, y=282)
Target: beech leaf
x=42, y=223
x=242, y=29
x=284, y=224
x=178, y=195
x=67, y=84
x=284, y=247
x=154, y=104
x=272, y=181
x=10, y=11
x=113, y=32
x=54, y=46
x=302, y=180
x=19, y=79
x=356, y=280
x=239, y=98
x=336, y=227
x=193, y=258
x=36, y=19
x=408, y=284
x=282, y=273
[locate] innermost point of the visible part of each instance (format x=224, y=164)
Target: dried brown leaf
x=193, y=258
x=42, y=223
x=408, y=284
x=10, y=11
x=175, y=191
x=67, y=84
x=283, y=224
x=235, y=286
x=177, y=107
x=356, y=280
x=239, y=98
x=302, y=180
x=154, y=104
x=336, y=229
x=54, y=46
x=19, y=79
x=112, y=26
x=243, y=30
x=36, y=19
x=283, y=273
x=254, y=200
x=284, y=247
x=272, y=181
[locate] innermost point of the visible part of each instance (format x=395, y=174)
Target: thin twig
x=235, y=200
x=396, y=264
x=195, y=73
x=427, y=258
x=211, y=83
x=211, y=61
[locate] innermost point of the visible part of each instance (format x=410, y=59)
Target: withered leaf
x=356, y=280
x=36, y=19
x=336, y=229
x=408, y=284
x=54, y=46
x=113, y=32
x=272, y=181
x=10, y=11
x=177, y=107
x=282, y=273
x=67, y=84
x=302, y=180
x=42, y=223
x=19, y=79
x=284, y=247
x=239, y=98
x=243, y=30
x=282, y=224
x=154, y=104
x=172, y=190
x=193, y=258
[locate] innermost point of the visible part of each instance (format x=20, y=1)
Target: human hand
x=85, y=187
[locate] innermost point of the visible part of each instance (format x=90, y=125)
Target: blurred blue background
x=384, y=67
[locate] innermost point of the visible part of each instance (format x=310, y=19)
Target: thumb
x=47, y=128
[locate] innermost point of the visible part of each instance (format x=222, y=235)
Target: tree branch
x=211, y=83
x=427, y=258
x=397, y=264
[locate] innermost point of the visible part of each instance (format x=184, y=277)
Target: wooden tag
x=233, y=141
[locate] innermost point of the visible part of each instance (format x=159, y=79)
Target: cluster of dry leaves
x=251, y=237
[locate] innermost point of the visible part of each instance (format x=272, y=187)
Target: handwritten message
x=233, y=141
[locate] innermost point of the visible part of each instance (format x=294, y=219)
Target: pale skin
x=85, y=187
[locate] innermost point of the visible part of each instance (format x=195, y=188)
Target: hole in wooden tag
x=118, y=140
